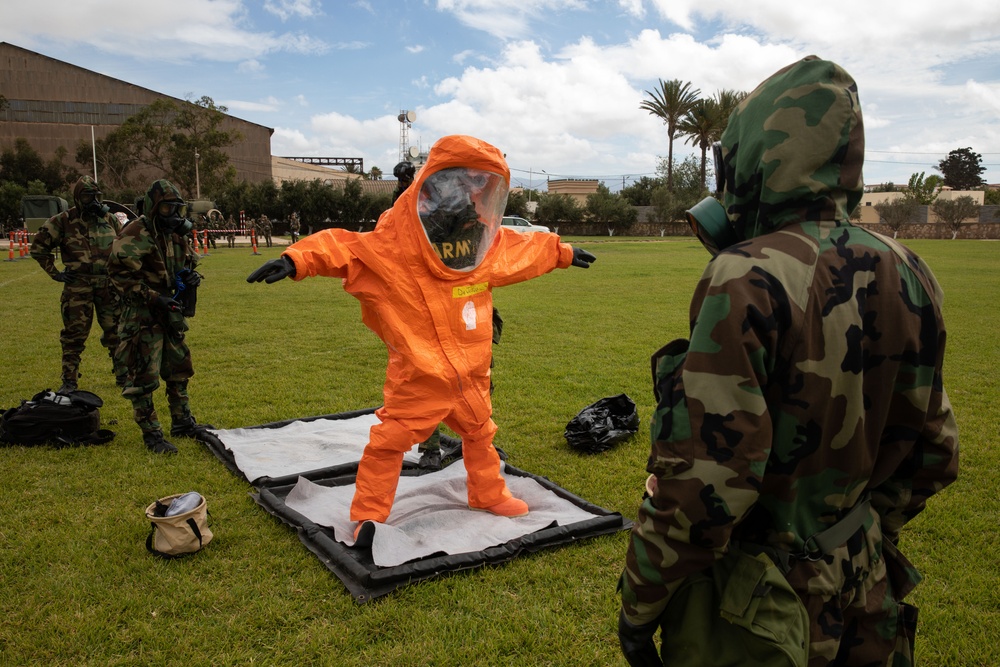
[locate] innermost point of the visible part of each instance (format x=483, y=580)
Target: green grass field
x=78, y=588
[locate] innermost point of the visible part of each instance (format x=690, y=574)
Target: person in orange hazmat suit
x=425, y=277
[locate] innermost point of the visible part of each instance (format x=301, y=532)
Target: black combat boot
x=187, y=426
x=157, y=444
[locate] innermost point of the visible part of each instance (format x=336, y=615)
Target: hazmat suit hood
x=453, y=211
x=793, y=150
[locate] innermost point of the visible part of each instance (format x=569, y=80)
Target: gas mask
x=171, y=214
x=91, y=204
x=460, y=209
x=708, y=218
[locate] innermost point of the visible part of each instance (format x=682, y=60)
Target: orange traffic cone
x=253, y=240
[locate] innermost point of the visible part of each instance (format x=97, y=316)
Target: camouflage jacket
x=84, y=242
x=144, y=265
x=813, y=376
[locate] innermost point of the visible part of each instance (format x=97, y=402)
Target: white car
x=522, y=225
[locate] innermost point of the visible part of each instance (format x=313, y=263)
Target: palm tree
x=726, y=101
x=670, y=103
x=701, y=126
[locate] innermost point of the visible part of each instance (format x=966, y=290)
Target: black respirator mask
x=91, y=204
x=172, y=216
x=708, y=218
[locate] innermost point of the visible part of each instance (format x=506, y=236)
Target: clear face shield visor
x=461, y=210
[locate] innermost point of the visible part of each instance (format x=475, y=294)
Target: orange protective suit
x=436, y=323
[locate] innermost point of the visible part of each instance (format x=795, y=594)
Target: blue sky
x=555, y=84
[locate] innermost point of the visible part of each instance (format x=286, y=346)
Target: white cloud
x=214, y=31
x=266, y=105
x=460, y=57
x=301, y=100
x=633, y=8
x=252, y=66
x=417, y=48
x=504, y=19
x=286, y=9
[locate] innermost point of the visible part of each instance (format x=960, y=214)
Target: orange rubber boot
x=509, y=508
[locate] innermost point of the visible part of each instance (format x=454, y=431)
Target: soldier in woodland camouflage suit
x=231, y=232
x=812, y=382
x=265, y=229
x=293, y=227
x=83, y=235
x=152, y=263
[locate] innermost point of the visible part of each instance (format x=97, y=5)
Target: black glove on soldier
x=273, y=271
x=167, y=304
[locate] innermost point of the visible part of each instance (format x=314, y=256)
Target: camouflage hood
x=158, y=191
x=794, y=149
x=85, y=184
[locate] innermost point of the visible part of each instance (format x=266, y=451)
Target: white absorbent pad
x=431, y=515
x=300, y=446
x=303, y=472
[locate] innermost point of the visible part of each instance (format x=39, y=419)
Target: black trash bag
x=603, y=424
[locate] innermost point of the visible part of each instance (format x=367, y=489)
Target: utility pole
x=197, y=179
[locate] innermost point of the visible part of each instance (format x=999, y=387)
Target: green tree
x=670, y=102
x=992, y=198
x=517, y=204
x=375, y=174
x=640, y=193
x=701, y=127
x=953, y=212
x=557, y=208
x=610, y=209
x=197, y=161
x=923, y=190
x=669, y=204
x=962, y=169
x=10, y=203
x=896, y=212
x=164, y=138
x=22, y=164
x=726, y=102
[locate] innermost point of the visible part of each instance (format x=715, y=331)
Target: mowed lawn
x=78, y=588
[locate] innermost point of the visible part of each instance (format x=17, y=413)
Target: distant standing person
x=83, y=235
x=293, y=227
x=231, y=231
x=265, y=228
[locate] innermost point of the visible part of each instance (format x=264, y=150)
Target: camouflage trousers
x=859, y=620
x=78, y=303
x=153, y=351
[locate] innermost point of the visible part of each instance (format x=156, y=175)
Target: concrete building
x=577, y=188
x=55, y=104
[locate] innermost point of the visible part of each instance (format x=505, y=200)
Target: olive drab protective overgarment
x=436, y=324
x=812, y=379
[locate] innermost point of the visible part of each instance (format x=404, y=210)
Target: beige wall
x=870, y=216
x=577, y=188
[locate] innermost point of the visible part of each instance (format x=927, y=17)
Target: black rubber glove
x=273, y=271
x=64, y=276
x=582, y=258
x=637, y=643
x=163, y=302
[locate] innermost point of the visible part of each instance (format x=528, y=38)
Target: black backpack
x=61, y=420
